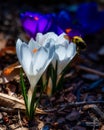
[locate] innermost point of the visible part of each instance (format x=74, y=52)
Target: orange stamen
x=68, y=30
x=35, y=50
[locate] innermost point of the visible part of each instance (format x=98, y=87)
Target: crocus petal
x=30, y=26
x=62, y=65
x=60, y=56
x=33, y=44
x=47, y=36
x=39, y=60
x=26, y=58
x=18, y=46
x=64, y=54
x=70, y=53
x=39, y=37
x=51, y=48
x=71, y=50
x=42, y=25
x=61, y=52
x=43, y=57
x=33, y=79
x=56, y=29
x=62, y=40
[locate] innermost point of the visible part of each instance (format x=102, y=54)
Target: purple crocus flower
x=73, y=32
x=64, y=19
x=34, y=23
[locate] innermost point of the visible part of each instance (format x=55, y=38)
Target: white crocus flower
x=64, y=51
x=63, y=55
x=34, y=59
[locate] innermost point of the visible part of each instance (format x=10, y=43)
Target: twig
x=73, y=104
x=90, y=124
x=19, y=117
x=95, y=109
x=8, y=110
x=79, y=67
x=76, y=104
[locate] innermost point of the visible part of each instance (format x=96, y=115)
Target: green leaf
x=24, y=92
x=55, y=78
x=60, y=83
x=34, y=101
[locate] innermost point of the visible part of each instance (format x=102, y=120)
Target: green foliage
x=24, y=92
x=30, y=106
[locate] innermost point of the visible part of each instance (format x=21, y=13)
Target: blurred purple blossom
x=89, y=17
x=64, y=20
x=33, y=23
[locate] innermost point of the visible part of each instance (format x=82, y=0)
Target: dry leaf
x=10, y=72
x=14, y=103
x=102, y=127
x=8, y=50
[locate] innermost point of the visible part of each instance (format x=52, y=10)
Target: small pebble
x=1, y=118
x=74, y=115
x=101, y=51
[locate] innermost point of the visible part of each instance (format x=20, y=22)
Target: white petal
x=50, y=43
x=51, y=35
x=18, y=46
x=71, y=50
x=43, y=57
x=47, y=36
x=33, y=44
x=33, y=79
x=39, y=38
x=39, y=60
x=62, y=40
x=61, y=52
x=51, y=52
x=62, y=65
x=26, y=58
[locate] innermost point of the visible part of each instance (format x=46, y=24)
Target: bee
x=81, y=45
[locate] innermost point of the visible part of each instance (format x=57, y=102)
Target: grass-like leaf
x=24, y=92
x=34, y=101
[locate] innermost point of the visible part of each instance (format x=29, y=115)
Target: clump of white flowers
x=48, y=53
